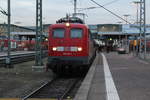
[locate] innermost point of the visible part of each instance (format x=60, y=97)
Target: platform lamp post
x=8, y=14
x=126, y=36
x=8, y=59
x=137, y=3
x=143, y=26
x=137, y=10
x=119, y=38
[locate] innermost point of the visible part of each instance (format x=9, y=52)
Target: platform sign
x=109, y=28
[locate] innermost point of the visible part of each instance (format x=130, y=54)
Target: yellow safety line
x=10, y=99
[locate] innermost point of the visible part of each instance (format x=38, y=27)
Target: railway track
x=19, y=58
x=58, y=88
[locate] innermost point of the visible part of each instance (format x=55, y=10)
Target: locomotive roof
x=70, y=20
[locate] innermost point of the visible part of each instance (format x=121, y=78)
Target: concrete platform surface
x=116, y=77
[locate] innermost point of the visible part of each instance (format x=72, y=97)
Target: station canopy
x=120, y=29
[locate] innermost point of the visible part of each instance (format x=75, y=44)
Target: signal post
x=39, y=31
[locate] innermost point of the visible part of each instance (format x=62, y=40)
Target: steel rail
x=38, y=89
x=69, y=89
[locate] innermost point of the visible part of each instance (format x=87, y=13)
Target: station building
x=22, y=32
x=16, y=31
x=114, y=31
x=117, y=31
x=116, y=35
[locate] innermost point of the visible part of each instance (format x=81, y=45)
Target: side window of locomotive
x=76, y=33
x=58, y=33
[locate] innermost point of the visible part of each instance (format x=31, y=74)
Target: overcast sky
x=23, y=11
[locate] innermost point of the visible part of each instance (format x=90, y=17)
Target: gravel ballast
x=19, y=81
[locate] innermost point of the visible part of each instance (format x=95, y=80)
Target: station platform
x=16, y=53
x=114, y=76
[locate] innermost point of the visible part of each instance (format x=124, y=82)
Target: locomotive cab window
x=76, y=33
x=58, y=33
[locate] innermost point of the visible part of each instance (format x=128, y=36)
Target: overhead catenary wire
x=110, y=11
x=106, y=4
x=111, y=2
x=3, y=11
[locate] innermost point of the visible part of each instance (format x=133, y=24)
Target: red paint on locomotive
x=70, y=44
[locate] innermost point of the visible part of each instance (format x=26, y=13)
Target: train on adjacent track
x=21, y=44
x=70, y=46
x=4, y=43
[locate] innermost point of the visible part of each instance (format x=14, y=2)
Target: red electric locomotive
x=70, y=45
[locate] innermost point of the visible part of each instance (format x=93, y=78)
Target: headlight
x=46, y=39
x=54, y=48
x=79, y=49
x=67, y=24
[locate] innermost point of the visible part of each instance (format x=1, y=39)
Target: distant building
x=109, y=29
x=27, y=31
x=134, y=29
x=120, y=29
x=96, y=30
x=46, y=29
x=14, y=29
x=116, y=30
x=93, y=29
